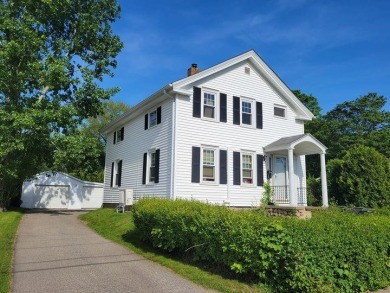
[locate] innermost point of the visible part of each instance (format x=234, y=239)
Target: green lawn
x=120, y=228
x=9, y=222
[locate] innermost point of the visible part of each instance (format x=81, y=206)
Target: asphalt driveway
x=56, y=252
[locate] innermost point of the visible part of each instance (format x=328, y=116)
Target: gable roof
x=176, y=87
x=302, y=143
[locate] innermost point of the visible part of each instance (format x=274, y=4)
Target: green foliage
x=121, y=229
x=361, y=178
x=53, y=54
x=309, y=101
x=81, y=153
x=363, y=121
x=314, y=193
x=333, y=252
x=267, y=194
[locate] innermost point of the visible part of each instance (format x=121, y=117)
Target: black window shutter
x=195, y=175
x=260, y=170
x=144, y=169
x=123, y=133
x=157, y=166
x=159, y=115
x=112, y=174
x=114, y=137
x=259, y=115
x=119, y=173
x=222, y=167
x=222, y=108
x=146, y=121
x=236, y=168
x=197, y=102
x=236, y=110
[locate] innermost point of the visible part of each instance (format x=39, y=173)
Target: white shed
x=57, y=190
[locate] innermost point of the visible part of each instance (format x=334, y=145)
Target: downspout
x=173, y=144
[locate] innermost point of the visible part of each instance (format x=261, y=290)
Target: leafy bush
x=334, y=251
x=314, y=192
x=361, y=178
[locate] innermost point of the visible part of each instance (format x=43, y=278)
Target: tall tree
x=82, y=153
x=363, y=121
x=309, y=101
x=53, y=54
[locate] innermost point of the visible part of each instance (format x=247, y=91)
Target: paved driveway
x=56, y=252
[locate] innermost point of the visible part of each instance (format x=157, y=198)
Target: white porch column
x=291, y=182
x=323, y=181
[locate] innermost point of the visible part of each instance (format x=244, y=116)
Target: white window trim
x=148, y=164
x=216, y=165
x=216, y=104
x=281, y=107
x=115, y=173
x=252, y=102
x=254, y=172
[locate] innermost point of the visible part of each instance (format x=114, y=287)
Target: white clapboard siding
x=197, y=132
x=138, y=141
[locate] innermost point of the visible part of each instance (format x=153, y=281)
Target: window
x=116, y=173
x=280, y=111
x=119, y=135
x=152, y=168
x=209, y=105
x=247, y=169
x=246, y=112
x=208, y=165
x=153, y=118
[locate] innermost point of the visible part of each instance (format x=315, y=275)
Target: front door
x=280, y=180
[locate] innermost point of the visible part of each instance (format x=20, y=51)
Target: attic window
x=247, y=70
x=280, y=111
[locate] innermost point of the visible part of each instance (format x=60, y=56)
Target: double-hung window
x=152, y=167
x=116, y=173
x=247, y=168
x=153, y=118
x=209, y=105
x=208, y=165
x=246, y=112
x=119, y=135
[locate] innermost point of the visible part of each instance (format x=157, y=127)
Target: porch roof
x=302, y=144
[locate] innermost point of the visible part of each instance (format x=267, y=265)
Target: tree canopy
x=53, y=55
x=82, y=153
x=362, y=121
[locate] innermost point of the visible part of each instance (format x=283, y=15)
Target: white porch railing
x=280, y=195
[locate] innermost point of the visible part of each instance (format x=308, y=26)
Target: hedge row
x=333, y=252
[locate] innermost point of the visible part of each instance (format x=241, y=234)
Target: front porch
x=286, y=170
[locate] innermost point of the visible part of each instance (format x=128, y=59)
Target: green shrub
x=333, y=252
x=361, y=178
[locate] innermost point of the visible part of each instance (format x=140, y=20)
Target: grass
x=9, y=222
x=121, y=229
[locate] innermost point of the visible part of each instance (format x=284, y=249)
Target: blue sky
x=334, y=50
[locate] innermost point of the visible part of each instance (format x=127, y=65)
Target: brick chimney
x=193, y=69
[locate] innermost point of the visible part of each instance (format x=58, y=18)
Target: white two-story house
x=216, y=135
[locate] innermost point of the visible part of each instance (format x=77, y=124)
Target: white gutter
x=173, y=144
